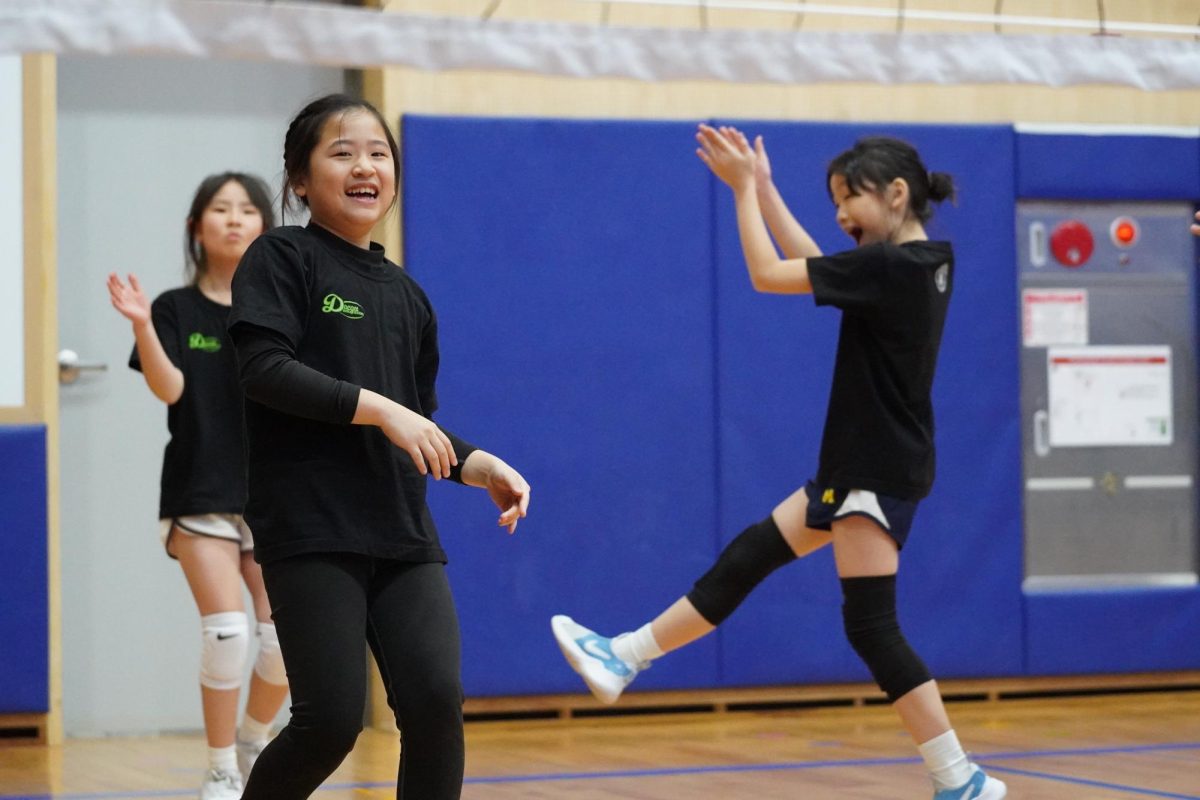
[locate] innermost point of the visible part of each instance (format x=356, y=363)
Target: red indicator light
x=1124, y=232
x=1072, y=243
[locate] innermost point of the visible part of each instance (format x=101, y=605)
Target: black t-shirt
x=879, y=425
x=204, y=465
x=323, y=485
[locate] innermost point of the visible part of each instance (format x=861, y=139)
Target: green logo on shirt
x=209, y=344
x=347, y=308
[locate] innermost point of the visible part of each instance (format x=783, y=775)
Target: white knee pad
x=269, y=664
x=226, y=643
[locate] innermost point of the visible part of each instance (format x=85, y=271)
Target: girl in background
x=185, y=354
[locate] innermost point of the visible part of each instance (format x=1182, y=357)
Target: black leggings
x=324, y=605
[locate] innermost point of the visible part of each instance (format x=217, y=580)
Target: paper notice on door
x=1054, y=317
x=1110, y=395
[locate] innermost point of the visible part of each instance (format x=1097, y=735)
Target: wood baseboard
x=17, y=729
x=575, y=706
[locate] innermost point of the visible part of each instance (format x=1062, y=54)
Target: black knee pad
x=869, y=614
x=753, y=555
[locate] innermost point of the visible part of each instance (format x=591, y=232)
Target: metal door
x=135, y=137
x=1108, y=393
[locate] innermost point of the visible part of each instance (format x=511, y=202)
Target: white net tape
x=361, y=38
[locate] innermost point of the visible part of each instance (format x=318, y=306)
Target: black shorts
x=826, y=506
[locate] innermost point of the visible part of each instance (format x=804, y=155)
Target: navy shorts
x=826, y=506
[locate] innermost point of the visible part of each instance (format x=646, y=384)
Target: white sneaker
x=221, y=785
x=247, y=754
x=591, y=655
x=980, y=787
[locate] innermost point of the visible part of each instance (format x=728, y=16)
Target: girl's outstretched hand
x=129, y=300
x=726, y=152
x=509, y=492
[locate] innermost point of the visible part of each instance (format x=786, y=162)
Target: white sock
x=638, y=647
x=254, y=731
x=946, y=761
x=223, y=759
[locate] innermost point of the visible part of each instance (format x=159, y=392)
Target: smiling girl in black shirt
x=338, y=354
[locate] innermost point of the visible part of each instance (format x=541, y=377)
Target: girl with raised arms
x=877, y=456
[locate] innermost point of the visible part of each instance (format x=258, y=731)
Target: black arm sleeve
x=462, y=449
x=426, y=373
x=271, y=375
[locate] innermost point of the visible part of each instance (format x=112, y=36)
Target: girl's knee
x=869, y=616
x=438, y=698
x=331, y=745
x=330, y=729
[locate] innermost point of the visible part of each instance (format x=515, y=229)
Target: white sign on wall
x=1054, y=316
x=1105, y=396
x=12, y=241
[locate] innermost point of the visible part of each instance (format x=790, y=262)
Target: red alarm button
x=1124, y=232
x=1072, y=243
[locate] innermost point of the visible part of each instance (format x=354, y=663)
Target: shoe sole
x=993, y=790
x=561, y=626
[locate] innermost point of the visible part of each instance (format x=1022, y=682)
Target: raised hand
x=762, y=165
x=129, y=300
x=726, y=152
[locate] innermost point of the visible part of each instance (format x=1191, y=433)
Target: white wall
x=12, y=248
x=135, y=138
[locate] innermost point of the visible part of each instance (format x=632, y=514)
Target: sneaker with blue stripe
x=591, y=655
x=980, y=787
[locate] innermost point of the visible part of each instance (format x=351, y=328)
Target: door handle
x=69, y=366
x=1041, y=433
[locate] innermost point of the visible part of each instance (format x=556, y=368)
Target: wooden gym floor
x=1094, y=747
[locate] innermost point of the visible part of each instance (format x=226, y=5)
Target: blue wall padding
x=1107, y=167
x=1130, y=630
x=24, y=596
x=960, y=599
x=598, y=330
x=570, y=265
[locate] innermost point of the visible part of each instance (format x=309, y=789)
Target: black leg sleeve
x=869, y=614
x=753, y=555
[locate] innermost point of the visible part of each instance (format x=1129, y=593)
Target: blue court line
x=984, y=758
x=1095, y=784
x=1089, y=751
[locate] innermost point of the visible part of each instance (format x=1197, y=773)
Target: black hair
x=196, y=260
x=304, y=134
x=876, y=161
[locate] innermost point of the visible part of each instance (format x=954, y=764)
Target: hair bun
x=941, y=187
